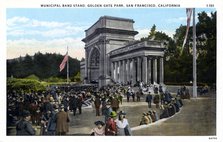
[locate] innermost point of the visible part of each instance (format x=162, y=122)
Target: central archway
x=94, y=65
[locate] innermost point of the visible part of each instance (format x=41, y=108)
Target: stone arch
x=94, y=64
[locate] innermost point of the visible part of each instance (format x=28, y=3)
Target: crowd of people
x=47, y=108
x=167, y=104
x=50, y=109
x=113, y=126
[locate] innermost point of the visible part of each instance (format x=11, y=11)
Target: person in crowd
x=167, y=96
x=179, y=101
x=97, y=104
x=51, y=125
x=99, y=130
x=156, y=89
x=145, y=119
x=79, y=103
x=164, y=113
x=103, y=105
x=156, y=100
x=23, y=126
x=149, y=99
x=114, y=103
x=138, y=95
x=160, y=89
x=107, y=111
x=162, y=98
x=74, y=104
x=120, y=97
x=110, y=127
x=133, y=94
x=129, y=93
x=62, y=121
x=177, y=105
x=44, y=122
x=19, y=106
x=123, y=128
x=155, y=115
x=171, y=109
x=151, y=115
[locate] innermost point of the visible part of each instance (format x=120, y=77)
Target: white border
x=36, y=4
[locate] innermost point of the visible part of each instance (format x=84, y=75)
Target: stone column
x=112, y=70
x=119, y=71
x=86, y=68
x=144, y=73
x=128, y=71
x=154, y=70
x=116, y=72
x=124, y=72
x=161, y=71
x=133, y=72
x=149, y=71
x=138, y=69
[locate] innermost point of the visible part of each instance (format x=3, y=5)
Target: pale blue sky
x=51, y=30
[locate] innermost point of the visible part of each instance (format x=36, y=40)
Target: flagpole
x=194, y=58
x=67, y=66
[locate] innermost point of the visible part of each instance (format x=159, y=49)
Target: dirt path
x=197, y=117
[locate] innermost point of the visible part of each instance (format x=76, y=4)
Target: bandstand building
x=112, y=55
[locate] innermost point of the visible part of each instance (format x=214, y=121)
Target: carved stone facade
x=113, y=55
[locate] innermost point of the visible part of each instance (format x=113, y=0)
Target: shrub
x=26, y=85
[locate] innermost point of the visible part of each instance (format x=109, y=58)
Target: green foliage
x=178, y=63
x=33, y=77
x=152, y=32
x=42, y=65
x=77, y=77
x=26, y=85
x=55, y=79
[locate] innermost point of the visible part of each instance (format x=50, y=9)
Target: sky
x=51, y=30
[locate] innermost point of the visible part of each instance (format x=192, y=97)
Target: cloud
x=21, y=47
x=36, y=23
x=145, y=33
x=25, y=27
x=142, y=33
x=17, y=20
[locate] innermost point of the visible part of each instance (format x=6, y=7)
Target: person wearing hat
x=144, y=120
x=164, y=113
x=97, y=104
x=155, y=115
x=23, y=126
x=99, y=130
x=115, y=103
x=149, y=99
x=156, y=100
x=110, y=127
x=151, y=116
x=122, y=124
x=107, y=111
x=51, y=125
x=62, y=121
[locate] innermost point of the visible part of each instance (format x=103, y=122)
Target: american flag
x=63, y=63
x=189, y=13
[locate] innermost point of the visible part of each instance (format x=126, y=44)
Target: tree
x=206, y=46
x=206, y=49
x=152, y=33
x=42, y=65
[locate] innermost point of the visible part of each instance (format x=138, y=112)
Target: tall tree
x=152, y=33
x=42, y=65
